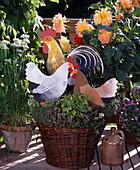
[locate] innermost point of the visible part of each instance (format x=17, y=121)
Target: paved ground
x=34, y=158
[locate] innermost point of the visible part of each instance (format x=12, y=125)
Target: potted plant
x=15, y=120
x=70, y=130
x=128, y=118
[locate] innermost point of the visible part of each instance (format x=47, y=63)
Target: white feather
x=33, y=73
x=108, y=89
x=49, y=86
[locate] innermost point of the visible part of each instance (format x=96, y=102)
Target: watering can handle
x=122, y=134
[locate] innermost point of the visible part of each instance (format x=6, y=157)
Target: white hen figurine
x=49, y=87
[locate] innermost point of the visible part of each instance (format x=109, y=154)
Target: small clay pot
x=17, y=140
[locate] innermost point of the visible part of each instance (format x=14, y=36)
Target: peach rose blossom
x=105, y=36
x=126, y=4
x=81, y=26
x=59, y=23
x=103, y=17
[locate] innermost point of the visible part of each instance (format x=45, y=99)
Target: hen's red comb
x=48, y=32
x=70, y=60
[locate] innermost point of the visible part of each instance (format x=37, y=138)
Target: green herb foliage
x=61, y=113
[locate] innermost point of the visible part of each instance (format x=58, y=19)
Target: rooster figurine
x=107, y=90
x=54, y=57
x=82, y=62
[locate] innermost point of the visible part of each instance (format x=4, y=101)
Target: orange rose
x=103, y=17
x=59, y=23
x=105, y=36
x=126, y=4
x=81, y=26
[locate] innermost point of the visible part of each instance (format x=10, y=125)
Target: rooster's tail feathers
x=88, y=58
x=108, y=89
x=33, y=74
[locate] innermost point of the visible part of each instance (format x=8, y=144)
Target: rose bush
x=116, y=35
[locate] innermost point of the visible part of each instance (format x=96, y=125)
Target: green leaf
x=9, y=29
x=73, y=112
x=138, y=30
x=137, y=59
x=57, y=1
x=109, y=52
x=15, y=33
x=93, y=42
x=4, y=28
x=13, y=17
x=137, y=12
x=121, y=75
x=126, y=65
x=117, y=54
x=107, y=74
x=121, y=46
x=105, y=27
x=6, y=2
x=8, y=37
x=95, y=6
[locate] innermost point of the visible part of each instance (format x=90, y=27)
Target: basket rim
x=68, y=129
x=63, y=128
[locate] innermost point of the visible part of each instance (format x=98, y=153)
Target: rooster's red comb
x=48, y=32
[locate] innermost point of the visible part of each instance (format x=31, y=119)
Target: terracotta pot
x=17, y=140
x=130, y=139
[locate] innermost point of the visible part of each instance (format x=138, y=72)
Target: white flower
x=25, y=36
x=25, y=47
x=17, y=42
x=28, y=91
x=19, y=51
x=23, y=43
x=15, y=45
x=41, y=61
x=101, y=115
x=8, y=60
x=29, y=56
x=26, y=40
x=37, y=22
x=3, y=46
x=5, y=42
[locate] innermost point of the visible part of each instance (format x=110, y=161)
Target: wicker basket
x=69, y=148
